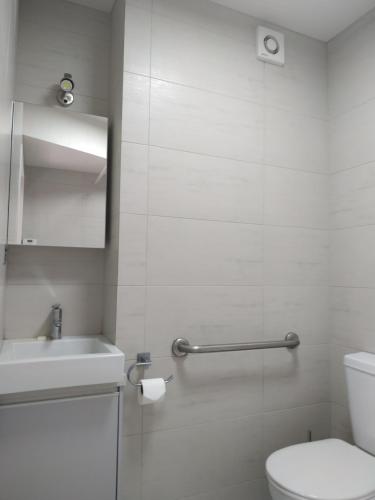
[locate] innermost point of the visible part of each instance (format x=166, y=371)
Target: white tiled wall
x=352, y=164
x=40, y=277
x=57, y=36
x=223, y=238
x=8, y=33
x=218, y=231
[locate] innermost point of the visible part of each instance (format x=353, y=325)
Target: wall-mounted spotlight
x=65, y=95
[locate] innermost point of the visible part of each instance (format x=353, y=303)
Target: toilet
x=332, y=469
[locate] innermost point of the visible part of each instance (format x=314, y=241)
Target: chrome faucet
x=56, y=325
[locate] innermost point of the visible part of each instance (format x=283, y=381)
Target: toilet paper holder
x=143, y=361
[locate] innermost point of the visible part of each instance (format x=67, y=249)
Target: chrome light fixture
x=65, y=96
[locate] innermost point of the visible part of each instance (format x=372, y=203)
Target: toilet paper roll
x=151, y=391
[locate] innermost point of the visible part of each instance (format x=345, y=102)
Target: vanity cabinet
x=62, y=449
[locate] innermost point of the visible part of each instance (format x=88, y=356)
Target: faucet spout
x=56, y=325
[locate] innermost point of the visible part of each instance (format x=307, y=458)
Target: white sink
x=33, y=365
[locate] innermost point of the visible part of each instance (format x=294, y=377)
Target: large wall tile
x=353, y=257
x=207, y=15
x=82, y=309
x=357, y=37
x=303, y=310
x=232, y=459
x=295, y=198
x=134, y=171
x=196, y=394
x=140, y=4
x=339, y=392
x=43, y=50
x=136, y=108
x=109, y=311
x=115, y=175
x=204, y=122
x=203, y=315
x=296, y=377
x=137, y=53
x=242, y=491
x=46, y=96
x=111, y=264
x=266, y=491
x=341, y=426
x=295, y=256
x=57, y=35
x=295, y=141
x=130, y=468
x=351, y=66
x=202, y=187
x=56, y=15
x=130, y=327
x=45, y=265
x=199, y=57
x=351, y=137
x=131, y=411
x=351, y=78
x=132, y=249
x=182, y=251
x=352, y=197
x=353, y=317
x=287, y=427
x=2, y=307
x=301, y=85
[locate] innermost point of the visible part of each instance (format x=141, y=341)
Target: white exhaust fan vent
x=270, y=46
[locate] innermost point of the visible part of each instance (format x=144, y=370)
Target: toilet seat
x=323, y=470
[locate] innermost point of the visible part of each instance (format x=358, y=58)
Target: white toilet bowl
x=332, y=469
x=322, y=470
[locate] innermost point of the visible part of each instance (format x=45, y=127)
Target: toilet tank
x=360, y=378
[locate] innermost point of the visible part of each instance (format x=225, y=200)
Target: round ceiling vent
x=271, y=44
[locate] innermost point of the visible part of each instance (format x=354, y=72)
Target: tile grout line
x=229, y=158
x=264, y=179
x=352, y=167
x=236, y=418
x=227, y=221
x=332, y=117
x=146, y=295
x=261, y=103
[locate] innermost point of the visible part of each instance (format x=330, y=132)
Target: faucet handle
x=57, y=313
x=56, y=323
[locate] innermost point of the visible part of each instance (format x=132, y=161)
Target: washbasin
x=68, y=346
x=41, y=364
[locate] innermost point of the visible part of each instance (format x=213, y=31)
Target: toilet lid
x=326, y=470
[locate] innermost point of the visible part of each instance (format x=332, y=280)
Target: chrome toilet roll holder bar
x=143, y=361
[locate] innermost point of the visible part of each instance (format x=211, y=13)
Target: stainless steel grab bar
x=182, y=347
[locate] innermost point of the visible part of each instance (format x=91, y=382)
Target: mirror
x=58, y=178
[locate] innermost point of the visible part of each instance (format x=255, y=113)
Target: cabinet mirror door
x=58, y=178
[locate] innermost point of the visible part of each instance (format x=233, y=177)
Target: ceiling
x=321, y=19
x=105, y=5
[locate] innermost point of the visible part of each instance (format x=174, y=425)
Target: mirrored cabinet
x=58, y=178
